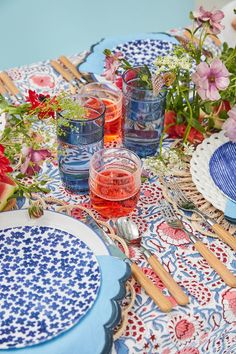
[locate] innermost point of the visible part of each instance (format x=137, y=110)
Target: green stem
x=187, y=131
x=161, y=143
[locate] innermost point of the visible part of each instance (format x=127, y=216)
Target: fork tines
x=167, y=211
x=176, y=192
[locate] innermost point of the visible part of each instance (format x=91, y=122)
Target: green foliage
x=228, y=56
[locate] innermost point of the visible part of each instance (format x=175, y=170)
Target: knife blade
x=160, y=300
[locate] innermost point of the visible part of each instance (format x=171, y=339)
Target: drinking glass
x=143, y=115
x=111, y=96
x=78, y=139
x=114, y=181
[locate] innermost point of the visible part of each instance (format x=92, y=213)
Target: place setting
x=118, y=197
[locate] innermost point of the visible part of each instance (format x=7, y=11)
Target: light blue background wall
x=33, y=30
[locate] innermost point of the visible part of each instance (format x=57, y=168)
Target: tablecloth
x=208, y=323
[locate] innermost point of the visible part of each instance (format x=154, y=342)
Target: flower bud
x=35, y=211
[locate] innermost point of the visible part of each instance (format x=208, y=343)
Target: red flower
x=175, y=130
x=41, y=103
x=4, y=162
x=119, y=82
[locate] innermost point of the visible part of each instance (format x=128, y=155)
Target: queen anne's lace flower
x=171, y=63
x=170, y=162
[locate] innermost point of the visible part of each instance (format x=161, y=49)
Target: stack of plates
x=213, y=169
x=58, y=286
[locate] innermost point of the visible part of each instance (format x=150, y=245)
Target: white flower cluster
x=188, y=149
x=172, y=63
x=169, y=163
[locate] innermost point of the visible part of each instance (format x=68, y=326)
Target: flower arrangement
x=201, y=89
x=25, y=143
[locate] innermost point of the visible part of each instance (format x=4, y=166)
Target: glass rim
x=88, y=119
x=111, y=150
x=116, y=89
x=137, y=88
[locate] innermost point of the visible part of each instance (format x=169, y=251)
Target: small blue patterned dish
x=49, y=277
x=144, y=51
x=137, y=43
x=222, y=167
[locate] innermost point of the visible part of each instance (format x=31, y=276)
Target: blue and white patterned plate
x=222, y=167
x=95, y=60
x=49, y=277
x=144, y=51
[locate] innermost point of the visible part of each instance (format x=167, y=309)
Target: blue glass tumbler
x=78, y=140
x=144, y=112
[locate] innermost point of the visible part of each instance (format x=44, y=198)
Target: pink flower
x=112, y=64
x=213, y=18
x=209, y=79
x=229, y=125
x=32, y=160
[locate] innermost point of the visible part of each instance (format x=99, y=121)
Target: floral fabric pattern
x=207, y=324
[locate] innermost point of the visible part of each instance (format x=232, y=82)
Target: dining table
x=207, y=324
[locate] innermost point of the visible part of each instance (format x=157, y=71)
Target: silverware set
x=128, y=230
x=63, y=66
x=9, y=90
x=185, y=204
x=70, y=73
x=175, y=222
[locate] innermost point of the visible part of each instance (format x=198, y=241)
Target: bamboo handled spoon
x=153, y=291
x=129, y=231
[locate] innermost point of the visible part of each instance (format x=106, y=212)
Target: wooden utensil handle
x=216, y=264
x=65, y=74
x=2, y=89
x=64, y=60
x=9, y=83
x=157, y=296
x=174, y=289
x=225, y=236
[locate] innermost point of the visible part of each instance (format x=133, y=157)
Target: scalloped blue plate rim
x=115, y=316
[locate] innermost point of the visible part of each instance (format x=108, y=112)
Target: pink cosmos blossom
x=112, y=64
x=209, y=79
x=212, y=17
x=229, y=125
x=32, y=160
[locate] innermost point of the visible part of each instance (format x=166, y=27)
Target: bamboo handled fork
x=184, y=203
x=174, y=222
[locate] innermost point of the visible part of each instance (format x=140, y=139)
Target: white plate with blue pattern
x=142, y=47
x=222, y=167
x=144, y=51
x=49, y=276
x=199, y=168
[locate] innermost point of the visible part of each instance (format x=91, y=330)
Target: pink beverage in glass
x=114, y=182
x=111, y=96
